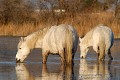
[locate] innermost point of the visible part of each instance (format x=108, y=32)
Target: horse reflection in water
x=65, y=73
x=94, y=71
x=22, y=72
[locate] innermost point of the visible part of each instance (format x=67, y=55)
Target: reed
x=82, y=22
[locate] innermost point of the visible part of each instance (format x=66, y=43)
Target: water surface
x=33, y=69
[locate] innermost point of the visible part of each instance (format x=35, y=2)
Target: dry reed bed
x=82, y=22
x=18, y=30
x=87, y=22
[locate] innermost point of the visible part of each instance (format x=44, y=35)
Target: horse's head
x=23, y=50
x=83, y=48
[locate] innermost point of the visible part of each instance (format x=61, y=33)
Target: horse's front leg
x=44, y=56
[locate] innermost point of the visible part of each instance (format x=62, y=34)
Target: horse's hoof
x=111, y=58
x=101, y=59
x=43, y=62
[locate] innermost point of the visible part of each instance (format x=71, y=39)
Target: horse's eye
x=19, y=48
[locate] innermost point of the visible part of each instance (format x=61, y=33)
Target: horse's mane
x=32, y=38
x=88, y=36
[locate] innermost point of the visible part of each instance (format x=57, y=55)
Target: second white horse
x=101, y=38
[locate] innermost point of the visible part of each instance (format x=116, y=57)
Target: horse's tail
x=69, y=45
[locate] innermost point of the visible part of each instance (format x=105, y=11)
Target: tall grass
x=18, y=30
x=82, y=23
x=20, y=19
x=88, y=21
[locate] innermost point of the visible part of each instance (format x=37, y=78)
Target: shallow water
x=33, y=69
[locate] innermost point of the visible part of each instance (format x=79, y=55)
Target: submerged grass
x=82, y=22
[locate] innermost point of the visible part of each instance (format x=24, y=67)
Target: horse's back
x=55, y=38
x=103, y=35
x=62, y=32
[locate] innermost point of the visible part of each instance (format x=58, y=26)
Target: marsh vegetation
x=22, y=17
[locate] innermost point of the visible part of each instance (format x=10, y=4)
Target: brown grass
x=82, y=22
x=88, y=21
x=18, y=30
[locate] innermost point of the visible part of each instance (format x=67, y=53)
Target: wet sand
x=33, y=69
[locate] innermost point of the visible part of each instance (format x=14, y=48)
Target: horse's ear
x=22, y=39
x=80, y=39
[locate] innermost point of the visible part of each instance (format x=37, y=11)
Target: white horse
x=61, y=39
x=101, y=38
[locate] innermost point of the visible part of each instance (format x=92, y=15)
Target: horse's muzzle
x=82, y=57
x=18, y=60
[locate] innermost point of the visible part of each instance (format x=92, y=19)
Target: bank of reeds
x=82, y=22
x=85, y=22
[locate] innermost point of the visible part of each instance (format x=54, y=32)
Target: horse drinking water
x=61, y=39
x=101, y=38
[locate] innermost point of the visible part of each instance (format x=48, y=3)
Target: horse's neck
x=87, y=42
x=88, y=38
x=35, y=39
x=31, y=40
x=39, y=43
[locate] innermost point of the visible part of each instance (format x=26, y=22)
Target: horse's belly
x=54, y=51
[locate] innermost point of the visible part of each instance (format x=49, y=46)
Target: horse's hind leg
x=101, y=57
x=45, y=56
x=62, y=55
x=102, y=54
x=98, y=54
x=97, y=49
x=109, y=54
x=73, y=55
